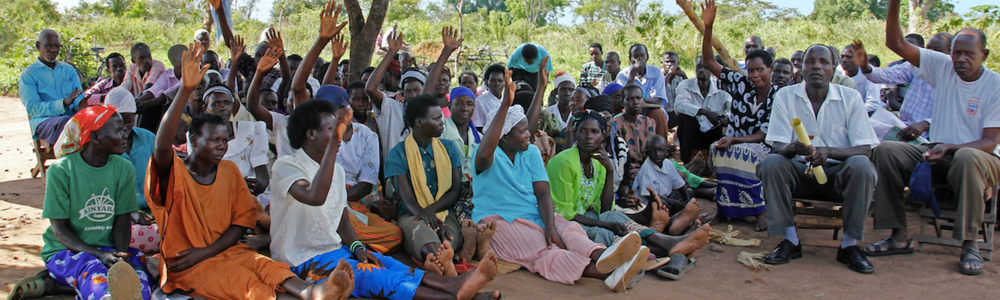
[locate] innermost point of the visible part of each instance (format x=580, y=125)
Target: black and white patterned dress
x=746, y=115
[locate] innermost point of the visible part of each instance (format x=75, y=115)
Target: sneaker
x=625, y=275
x=623, y=250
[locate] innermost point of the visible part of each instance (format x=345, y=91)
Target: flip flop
x=893, y=250
x=123, y=282
x=463, y=266
x=655, y=263
x=975, y=257
x=30, y=287
x=675, y=269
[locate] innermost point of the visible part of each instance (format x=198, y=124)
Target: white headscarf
x=514, y=115
x=564, y=78
x=121, y=99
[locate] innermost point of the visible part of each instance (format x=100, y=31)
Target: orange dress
x=195, y=216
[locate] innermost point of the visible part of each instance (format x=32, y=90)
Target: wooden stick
x=696, y=20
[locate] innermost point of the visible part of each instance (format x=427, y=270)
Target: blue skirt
x=393, y=281
x=739, y=193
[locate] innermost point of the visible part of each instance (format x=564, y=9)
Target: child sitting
x=667, y=183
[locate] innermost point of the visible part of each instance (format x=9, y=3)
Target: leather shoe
x=855, y=259
x=785, y=252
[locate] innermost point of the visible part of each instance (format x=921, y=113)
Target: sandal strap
x=973, y=253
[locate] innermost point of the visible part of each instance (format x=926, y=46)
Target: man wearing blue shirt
x=50, y=90
x=525, y=62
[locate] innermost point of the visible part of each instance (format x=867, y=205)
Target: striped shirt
x=591, y=73
x=919, y=98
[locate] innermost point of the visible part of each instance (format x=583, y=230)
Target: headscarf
x=395, y=68
x=412, y=75
x=121, y=98
x=217, y=89
x=461, y=91
x=588, y=90
x=335, y=94
x=579, y=117
x=564, y=78
x=77, y=131
x=600, y=103
x=514, y=115
x=611, y=88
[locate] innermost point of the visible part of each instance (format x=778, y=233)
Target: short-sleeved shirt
x=635, y=135
x=591, y=73
x=961, y=109
x=279, y=127
x=663, y=179
x=166, y=81
x=389, y=118
x=506, y=188
x=746, y=115
x=396, y=163
x=487, y=104
x=842, y=121
x=653, y=83
x=300, y=231
x=516, y=60
x=360, y=156
x=143, y=142
x=89, y=198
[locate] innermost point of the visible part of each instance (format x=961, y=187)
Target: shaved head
x=940, y=42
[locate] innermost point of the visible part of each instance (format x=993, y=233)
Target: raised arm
x=274, y=41
x=451, y=43
x=708, y=10
x=375, y=80
x=236, y=50
x=894, y=36
x=227, y=32
x=314, y=193
x=328, y=28
x=192, y=75
x=491, y=138
x=253, y=95
x=338, y=47
x=534, y=112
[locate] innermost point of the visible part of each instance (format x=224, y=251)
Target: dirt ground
x=931, y=274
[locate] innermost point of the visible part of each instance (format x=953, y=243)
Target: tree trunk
x=696, y=21
x=461, y=28
x=364, y=33
x=914, y=22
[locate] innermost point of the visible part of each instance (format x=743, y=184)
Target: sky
x=263, y=9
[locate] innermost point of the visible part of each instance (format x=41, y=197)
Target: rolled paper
x=800, y=132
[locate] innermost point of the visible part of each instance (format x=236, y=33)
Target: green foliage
x=538, y=12
x=287, y=8
x=404, y=9
x=833, y=11
x=471, y=6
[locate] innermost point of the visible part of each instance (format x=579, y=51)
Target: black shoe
x=785, y=252
x=855, y=260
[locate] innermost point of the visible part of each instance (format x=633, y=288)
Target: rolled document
x=800, y=132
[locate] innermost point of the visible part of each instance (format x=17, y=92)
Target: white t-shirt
x=554, y=109
x=842, y=122
x=871, y=93
x=360, y=156
x=390, y=123
x=300, y=231
x=486, y=104
x=961, y=109
x=663, y=179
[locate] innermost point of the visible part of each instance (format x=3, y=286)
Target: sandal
x=969, y=257
x=875, y=249
x=675, y=269
x=30, y=287
x=123, y=282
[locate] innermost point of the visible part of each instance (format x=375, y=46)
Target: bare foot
x=692, y=241
x=690, y=214
x=470, y=234
x=661, y=216
x=761, y=223
x=485, y=234
x=491, y=295
x=445, y=257
x=338, y=285
x=432, y=265
x=478, y=278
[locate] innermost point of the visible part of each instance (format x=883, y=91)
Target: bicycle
x=482, y=57
x=85, y=81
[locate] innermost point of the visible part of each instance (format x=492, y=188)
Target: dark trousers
x=691, y=138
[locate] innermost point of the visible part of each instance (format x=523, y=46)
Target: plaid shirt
x=591, y=73
x=919, y=97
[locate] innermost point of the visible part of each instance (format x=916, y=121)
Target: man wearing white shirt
x=836, y=117
x=702, y=111
x=964, y=135
x=488, y=103
x=870, y=92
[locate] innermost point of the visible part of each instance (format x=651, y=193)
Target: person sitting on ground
x=89, y=195
x=207, y=261
x=389, y=111
x=614, y=90
x=49, y=89
x=512, y=199
x=662, y=179
x=460, y=131
x=797, y=65
x=116, y=66
x=613, y=144
x=361, y=104
x=736, y=156
x=843, y=154
x=316, y=128
x=782, y=73
x=634, y=128
x=294, y=61
x=427, y=171
x=525, y=62
x=838, y=78
x=965, y=131
x=439, y=77
x=650, y=79
x=469, y=80
x=593, y=71
x=564, y=87
x=247, y=141
x=702, y=112
x=488, y=103
x=144, y=70
x=541, y=122
x=915, y=112
x=870, y=92
x=336, y=76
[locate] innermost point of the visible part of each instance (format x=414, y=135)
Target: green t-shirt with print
x=89, y=197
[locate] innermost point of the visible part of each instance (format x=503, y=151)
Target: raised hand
x=274, y=39
x=193, y=71
x=451, y=40
x=236, y=49
x=328, y=27
x=343, y=120
x=338, y=46
x=269, y=60
x=861, y=56
x=543, y=73
x=708, y=10
x=511, y=87
x=395, y=39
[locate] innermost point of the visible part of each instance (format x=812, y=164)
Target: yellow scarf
x=418, y=177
